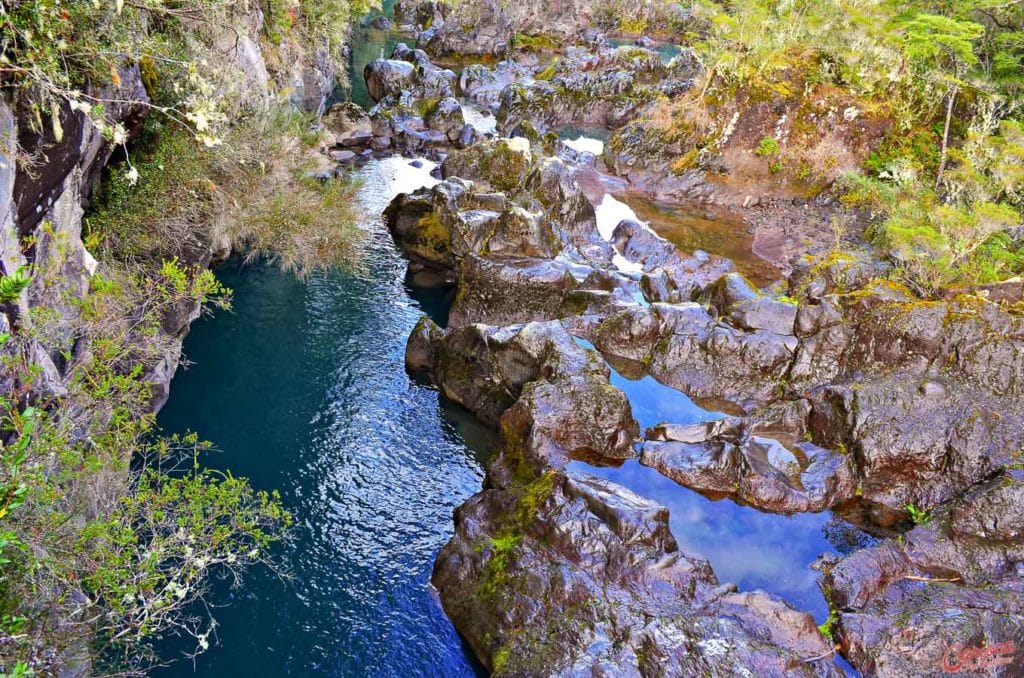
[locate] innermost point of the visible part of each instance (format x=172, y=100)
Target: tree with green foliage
x=109, y=531
x=941, y=47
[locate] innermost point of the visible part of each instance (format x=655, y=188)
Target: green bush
x=937, y=244
x=767, y=147
x=251, y=187
x=534, y=43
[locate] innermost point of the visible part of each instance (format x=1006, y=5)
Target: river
x=302, y=387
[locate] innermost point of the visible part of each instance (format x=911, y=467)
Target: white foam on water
x=609, y=213
x=483, y=123
x=386, y=178
x=585, y=145
x=625, y=265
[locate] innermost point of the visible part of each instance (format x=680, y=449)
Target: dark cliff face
x=38, y=187
x=40, y=182
x=42, y=201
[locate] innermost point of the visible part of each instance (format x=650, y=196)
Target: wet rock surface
x=416, y=110
x=759, y=471
x=946, y=598
x=848, y=393
x=572, y=575
x=604, y=87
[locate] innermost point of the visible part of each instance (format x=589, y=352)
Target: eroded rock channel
x=823, y=391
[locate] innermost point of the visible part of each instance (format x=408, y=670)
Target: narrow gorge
x=669, y=341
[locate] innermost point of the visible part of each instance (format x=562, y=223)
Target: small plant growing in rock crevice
x=828, y=627
x=11, y=286
x=917, y=515
x=767, y=148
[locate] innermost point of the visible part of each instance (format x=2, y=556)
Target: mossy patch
x=534, y=43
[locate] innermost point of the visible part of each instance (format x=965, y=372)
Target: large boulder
x=434, y=226
x=443, y=226
x=510, y=290
x=386, y=77
x=551, y=186
x=601, y=88
x=484, y=85
x=501, y=163
x=485, y=368
x=579, y=418
x=917, y=440
x=446, y=117
x=348, y=124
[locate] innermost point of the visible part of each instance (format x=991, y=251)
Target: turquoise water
x=666, y=50
x=302, y=386
x=374, y=44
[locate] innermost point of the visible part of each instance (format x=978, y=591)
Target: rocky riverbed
x=822, y=386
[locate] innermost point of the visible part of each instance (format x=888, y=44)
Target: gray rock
x=343, y=156
x=891, y=623
x=447, y=117
x=387, y=77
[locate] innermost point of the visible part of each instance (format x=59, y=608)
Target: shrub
x=937, y=244
x=304, y=226
x=11, y=286
x=767, y=147
x=251, y=188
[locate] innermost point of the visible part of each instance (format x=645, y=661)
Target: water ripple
x=303, y=387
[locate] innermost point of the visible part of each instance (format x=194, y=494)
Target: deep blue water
x=302, y=387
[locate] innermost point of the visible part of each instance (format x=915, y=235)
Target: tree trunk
x=945, y=138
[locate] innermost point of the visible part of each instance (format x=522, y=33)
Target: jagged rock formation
x=815, y=382
x=604, y=87
x=617, y=594
x=488, y=27
x=946, y=598
x=416, y=109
